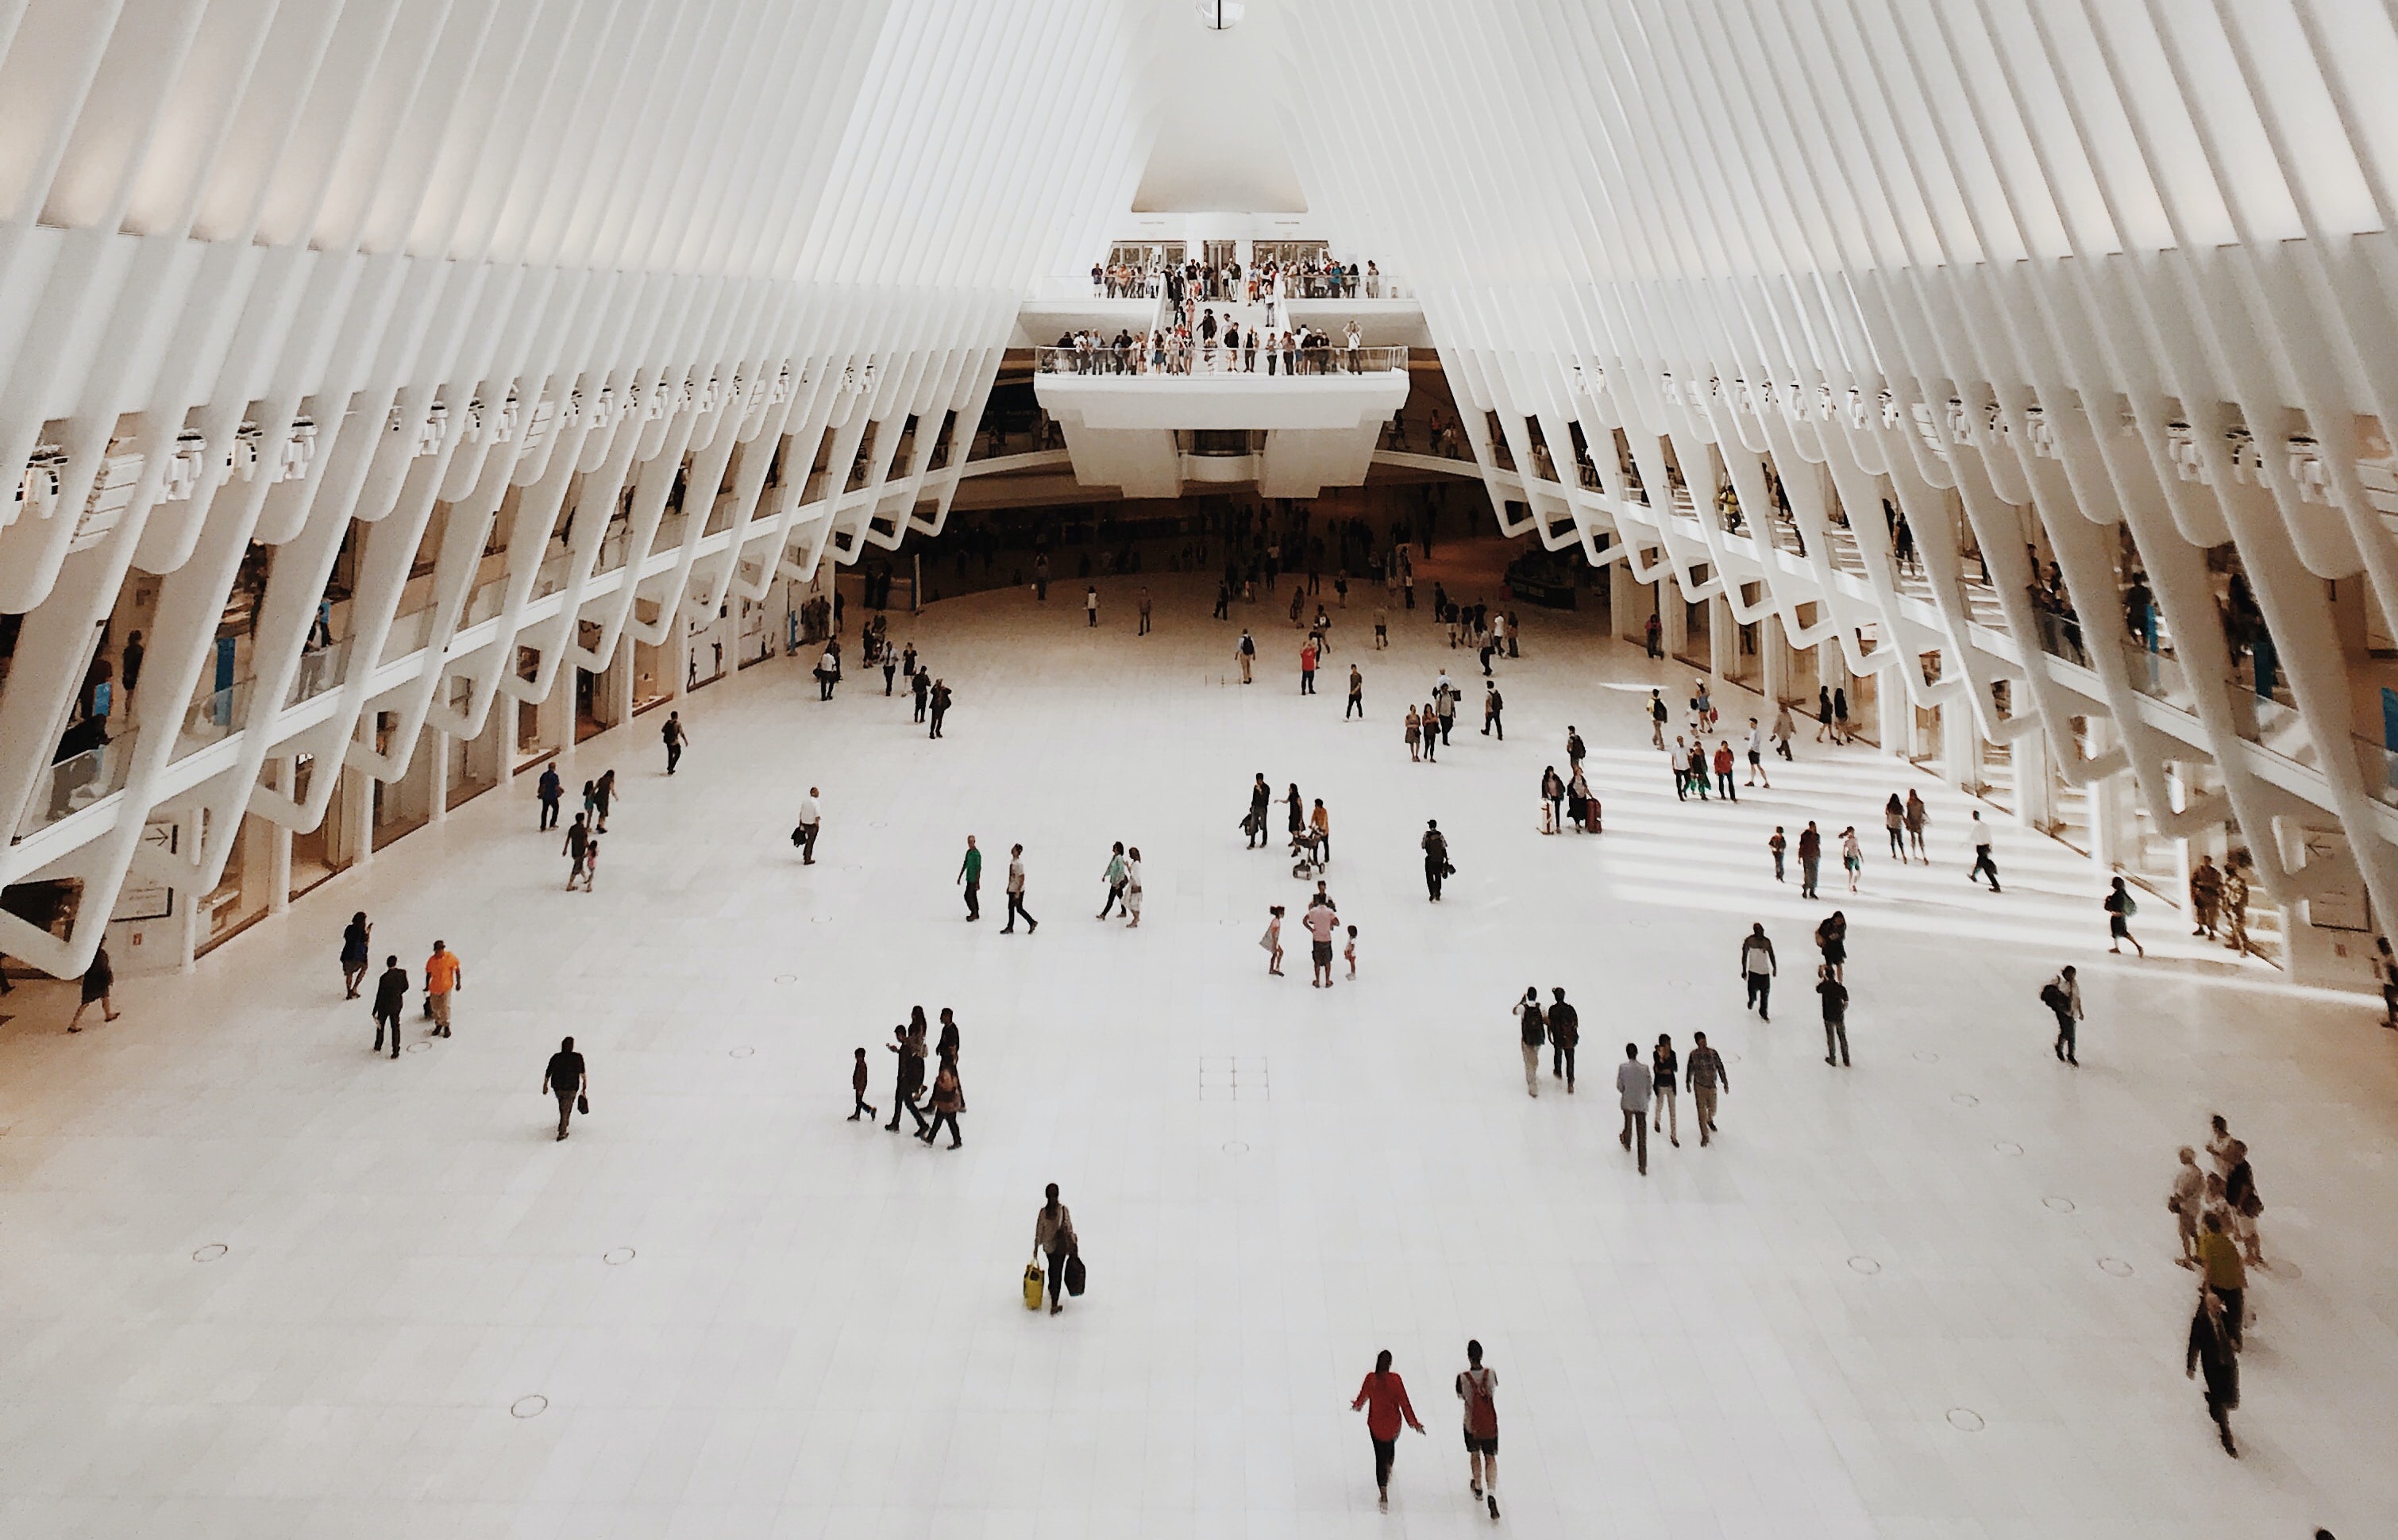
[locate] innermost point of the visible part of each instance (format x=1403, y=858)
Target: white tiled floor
x=821, y=1332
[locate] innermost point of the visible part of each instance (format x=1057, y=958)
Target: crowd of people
x=1205, y=344
x=1317, y=276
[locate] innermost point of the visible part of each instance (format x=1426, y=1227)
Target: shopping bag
x=1032, y=1286
x=1073, y=1279
x=583, y=1105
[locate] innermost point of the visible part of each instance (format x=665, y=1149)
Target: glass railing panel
x=2156, y=674
x=74, y=783
x=1219, y=361
x=2379, y=764
x=2280, y=729
x=213, y=717
x=321, y=669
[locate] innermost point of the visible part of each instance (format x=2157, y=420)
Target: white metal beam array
x=2029, y=269
x=429, y=276
x=443, y=272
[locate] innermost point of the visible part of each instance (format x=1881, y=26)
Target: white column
x=1673, y=616
x=357, y=815
x=435, y=747
x=1960, y=745
x=1773, y=662
x=1723, y=642
x=1893, y=716
x=2035, y=780
x=1627, y=603
x=279, y=849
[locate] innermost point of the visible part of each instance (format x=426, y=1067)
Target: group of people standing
x=2216, y=1213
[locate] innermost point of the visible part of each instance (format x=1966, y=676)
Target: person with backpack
x=1436, y=854
x=1478, y=1387
x=1658, y=712
x=2062, y=995
x=2120, y=909
x=675, y=737
x=1531, y=1028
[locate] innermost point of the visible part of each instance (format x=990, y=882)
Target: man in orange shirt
x=443, y=976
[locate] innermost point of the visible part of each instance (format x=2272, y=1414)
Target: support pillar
x=1773, y=662
x=616, y=686
x=435, y=747
x=1628, y=607
x=279, y=849
x=1960, y=746
x=357, y=815
x=1673, y=615
x=2035, y=780
x=1893, y=715
x=1723, y=643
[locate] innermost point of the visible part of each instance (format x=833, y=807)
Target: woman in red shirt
x=1384, y=1396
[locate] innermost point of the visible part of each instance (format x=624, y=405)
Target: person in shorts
x=1479, y=1388
x=1322, y=921
x=443, y=977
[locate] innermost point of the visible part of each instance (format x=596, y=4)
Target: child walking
x=858, y=1090
x=1350, y=953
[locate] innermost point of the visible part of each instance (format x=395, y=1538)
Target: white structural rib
x=426, y=280
x=429, y=278
x=2112, y=277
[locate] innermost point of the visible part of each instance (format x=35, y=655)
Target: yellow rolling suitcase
x=1032, y=1280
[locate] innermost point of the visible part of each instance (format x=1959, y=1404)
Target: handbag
x=583, y=1105
x=1074, y=1277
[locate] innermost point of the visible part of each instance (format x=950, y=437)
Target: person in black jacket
x=2210, y=1349
x=1565, y=1031
x=1436, y=854
x=391, y=993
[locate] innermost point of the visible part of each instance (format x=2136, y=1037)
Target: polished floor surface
x=262, y=1283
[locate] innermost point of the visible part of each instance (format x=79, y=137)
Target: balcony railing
x=1220, y=362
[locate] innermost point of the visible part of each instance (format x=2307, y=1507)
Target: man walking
x=1835, y=1013
x=921, y=683
x=1634, y=1084
x=1657, y=714
x=566, y=1080
x=1811, y=857
x=1260, y=798
x=810, y=817
x=970, y=876
x=1144, y=612
x=1703, y=1072
x=577, y=851
x=1981, y=862
x=1565, y=1032
x=1757, y=755
x=1531, y=1028
x=1436, y=854
x=676, y=737
x=1491, y=706
x=551, y=791
x=1356, y=706
x=940, y=706
x=1478, y=1389
x=2062, y=995
x=1016, y=894
x=1757, y=965
x=391, y=993
x=1576, y=751
x=1244, y=653
x=1091, y=606
x=443, y=978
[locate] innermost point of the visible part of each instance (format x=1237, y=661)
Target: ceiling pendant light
x=1220, y=15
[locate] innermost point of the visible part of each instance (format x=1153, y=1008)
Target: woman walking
x=98, y=980
x=1918, y=815
x=1553, y=795
x=1852, y=855
x=1384, y=1396
x=949, y=1100
x=1132, y=888
x=1271, y=941
x=1893, y=821
x=1415, y=736
x=1054, y=1239
x=354, y=953
x=1478, y=1389
x=1667, y=1068
x=2120, y=910
x=1832, y=936
x=1822, y=713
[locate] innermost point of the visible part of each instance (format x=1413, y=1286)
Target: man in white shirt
x=1634, y=1083
x=1981, y=862
x=1757, y=756
x=1757, y=965
x=810, y=815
